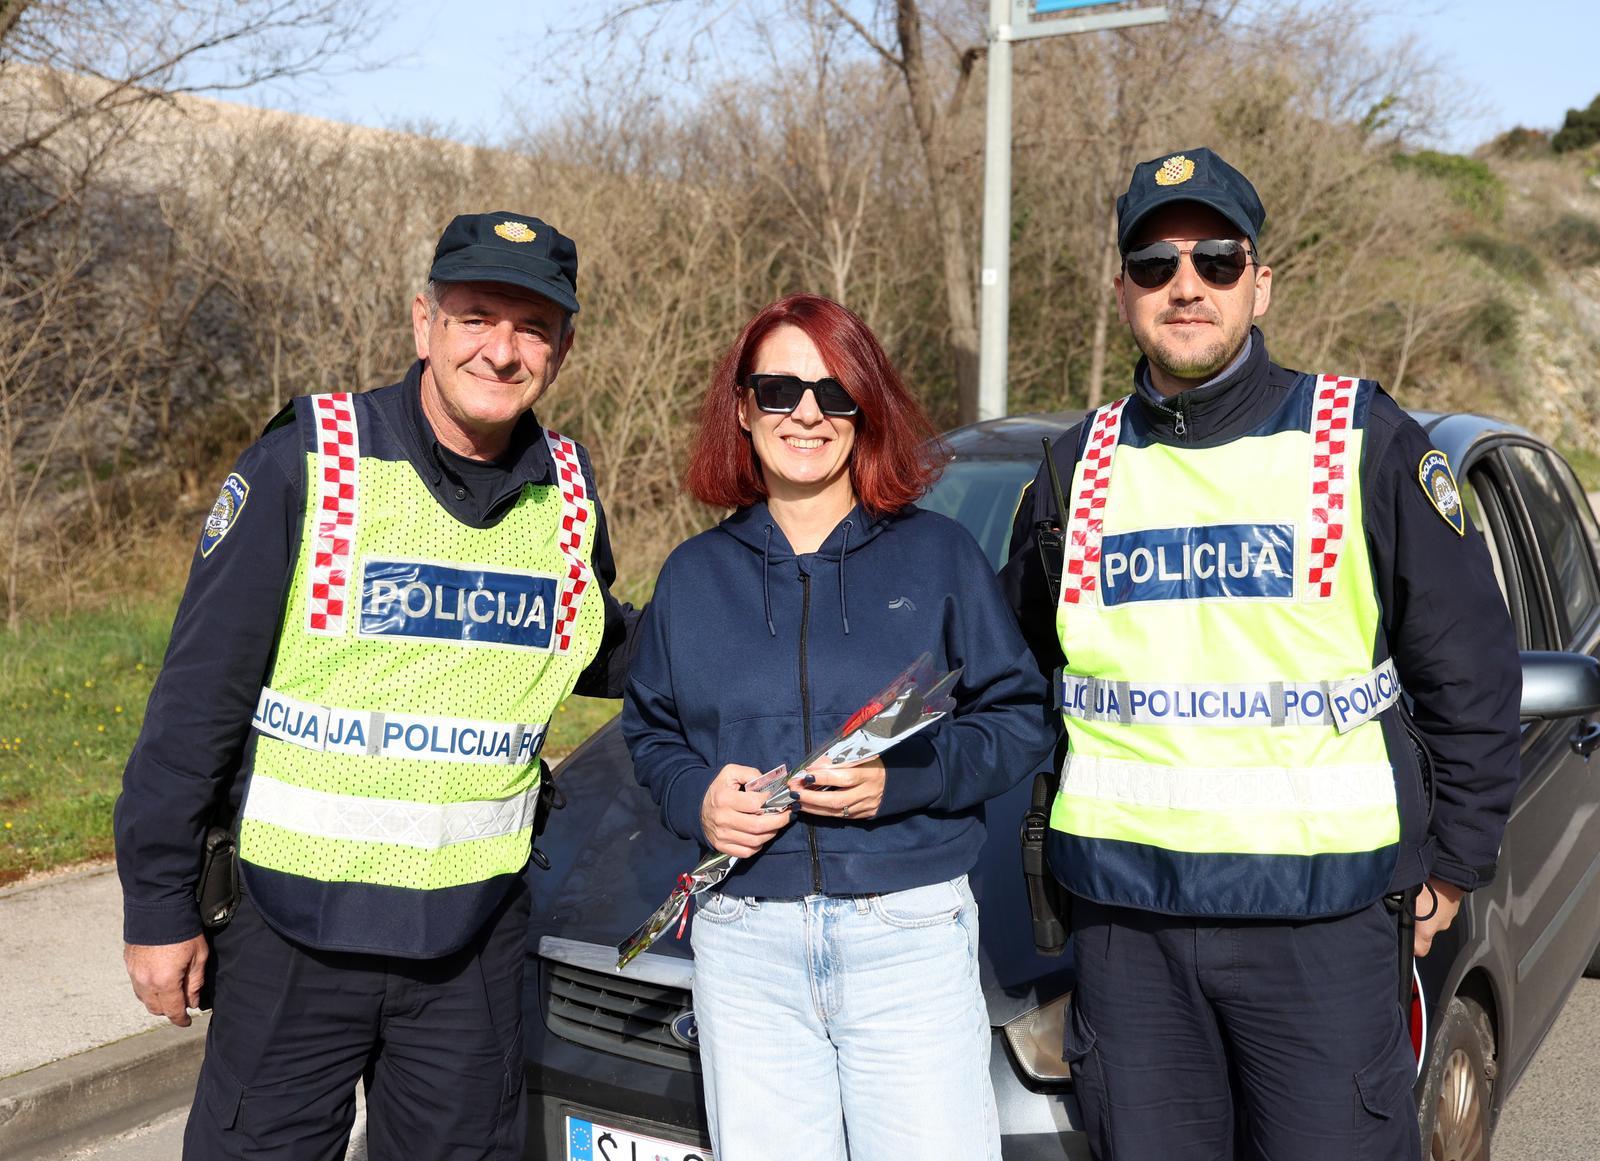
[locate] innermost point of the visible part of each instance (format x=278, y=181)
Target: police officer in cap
x=390, y=598
x=1256, y=562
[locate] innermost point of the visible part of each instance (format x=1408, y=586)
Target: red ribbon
x=686, y=886
x=863, y=715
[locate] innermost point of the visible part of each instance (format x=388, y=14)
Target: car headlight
x=1035, y=1038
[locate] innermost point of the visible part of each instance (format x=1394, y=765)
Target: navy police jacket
x=751, y=654
x=183, y=774
x=1443, y=618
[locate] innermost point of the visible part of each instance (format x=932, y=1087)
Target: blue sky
x=1523, y=63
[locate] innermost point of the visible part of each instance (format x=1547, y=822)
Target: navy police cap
x=510, y=248
x=1195, y=175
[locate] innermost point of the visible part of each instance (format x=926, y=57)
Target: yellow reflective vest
x=1223, y=677
x=395, y=772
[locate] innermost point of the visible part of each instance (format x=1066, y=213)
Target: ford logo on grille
x=686, y=1032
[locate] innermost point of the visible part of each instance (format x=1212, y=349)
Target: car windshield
x=982, y=496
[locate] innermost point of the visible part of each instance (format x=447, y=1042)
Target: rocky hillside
x=1545, y=251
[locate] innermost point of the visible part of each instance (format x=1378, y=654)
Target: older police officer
x=1254, y=562
x=390, y=598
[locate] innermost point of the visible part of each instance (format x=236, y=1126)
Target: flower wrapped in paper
x=911, y=702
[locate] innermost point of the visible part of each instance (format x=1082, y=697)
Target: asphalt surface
x=162, y=1140
x=1554, y=1113
x=62, y=988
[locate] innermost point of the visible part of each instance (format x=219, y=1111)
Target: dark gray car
x=611, y=1059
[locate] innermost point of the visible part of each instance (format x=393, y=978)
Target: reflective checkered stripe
x=1081, y=566
x=397, y=737
x=1331, y=472
x=1225, y=755
x=576, y=517
x=334, y=513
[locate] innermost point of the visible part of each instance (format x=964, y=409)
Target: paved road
x=162, y=1140
x=1555, y=1113
x=1553, y=1116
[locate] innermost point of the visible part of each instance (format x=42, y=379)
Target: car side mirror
x=1559, y=685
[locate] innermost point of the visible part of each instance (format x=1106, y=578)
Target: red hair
x=896, y=454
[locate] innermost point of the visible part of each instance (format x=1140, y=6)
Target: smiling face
x=491, y=350
x=805, y=454
x=1190, y=329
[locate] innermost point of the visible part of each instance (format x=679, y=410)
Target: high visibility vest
x=1220, y=694
x=395, y=772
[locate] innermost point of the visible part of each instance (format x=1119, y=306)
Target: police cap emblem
x=1439, y=485
x=225, y=512
x=1175, y=170
x=515, y=231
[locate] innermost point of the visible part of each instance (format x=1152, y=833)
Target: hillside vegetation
x=168, y=280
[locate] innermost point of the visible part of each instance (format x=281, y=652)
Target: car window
x=982, y=496
x=1580, y=502
x=1562, y=542
x=1486, y=491
x=1471, y=499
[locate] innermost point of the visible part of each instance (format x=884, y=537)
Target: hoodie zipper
x=805, y=718
x=1179, y=427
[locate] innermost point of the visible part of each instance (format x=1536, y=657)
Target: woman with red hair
x=836, y=970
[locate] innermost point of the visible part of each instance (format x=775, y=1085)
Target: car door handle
x=1585, y=740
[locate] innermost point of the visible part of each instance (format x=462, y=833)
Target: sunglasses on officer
x=1220, y=261
x=781, y=394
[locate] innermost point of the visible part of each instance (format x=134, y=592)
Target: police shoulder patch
x=230, y=502
x=1439, y=485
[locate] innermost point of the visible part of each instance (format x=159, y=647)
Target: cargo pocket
x=221, y=1094
x=1080, y=1048
x=1384, y=1107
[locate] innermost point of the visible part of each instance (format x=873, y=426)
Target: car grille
x=627, y=1017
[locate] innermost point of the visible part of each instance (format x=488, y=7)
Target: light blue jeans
x=835, y=1027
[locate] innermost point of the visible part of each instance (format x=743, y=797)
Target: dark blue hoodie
x=751, y=654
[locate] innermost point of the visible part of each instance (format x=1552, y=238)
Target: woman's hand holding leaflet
x=732, y=816
x=850, y=790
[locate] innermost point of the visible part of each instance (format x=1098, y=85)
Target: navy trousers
x=1258, y=1040
x=294, y=1030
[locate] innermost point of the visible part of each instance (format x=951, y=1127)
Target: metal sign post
x=1009, y=21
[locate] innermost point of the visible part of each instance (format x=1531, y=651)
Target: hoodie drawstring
x=844, y=551
x=766, y=586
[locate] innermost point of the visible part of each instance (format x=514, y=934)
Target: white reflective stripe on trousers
x=427, y=825
x=1219, y=789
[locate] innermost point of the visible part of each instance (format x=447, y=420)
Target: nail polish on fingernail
x=809, y=780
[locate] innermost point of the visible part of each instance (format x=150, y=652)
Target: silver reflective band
x=375, y=733
x=428, y=825
x=1341, y=704
x=1229, y=788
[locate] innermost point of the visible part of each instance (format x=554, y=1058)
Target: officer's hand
x=851, y=790
x=1447, y=896
x=731, y=815
x=167, y=977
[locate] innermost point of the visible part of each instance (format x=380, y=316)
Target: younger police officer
x=1256, y=561
x=390, y=598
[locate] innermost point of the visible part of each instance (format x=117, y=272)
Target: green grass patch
x=577, y=718
x=1586, y=464
x=1505, y=255
x=72, y=694
x=72, y=697
x=1468, y=182
x=1573, y=239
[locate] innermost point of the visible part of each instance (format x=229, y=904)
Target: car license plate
x=587, y=1141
